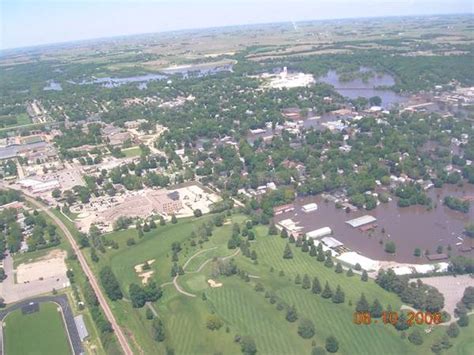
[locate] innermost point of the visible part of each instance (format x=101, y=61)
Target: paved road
x=61, y=300
x=90, y=275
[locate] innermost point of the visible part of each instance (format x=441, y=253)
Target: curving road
x=68, y=317
x=90, y=275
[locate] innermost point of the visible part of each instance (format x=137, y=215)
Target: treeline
x=456, y=204
x=139, y=295
x=110, y=283
x=7, y=196
x=42, y=234
x=103, y=325
x=417, y=294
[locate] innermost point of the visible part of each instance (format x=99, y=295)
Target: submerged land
x=245, y=189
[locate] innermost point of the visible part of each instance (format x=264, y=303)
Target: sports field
x=41, y=332
x=243, y=310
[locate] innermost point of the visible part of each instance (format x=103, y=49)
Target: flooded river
x=359, y=88
x=410, y=227
x=141, y=80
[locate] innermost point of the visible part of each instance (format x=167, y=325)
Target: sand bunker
x=144, y=275
x=213, y=283
x=50, y=266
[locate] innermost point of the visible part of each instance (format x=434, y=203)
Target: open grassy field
x=243, y=310
x=464, y=344
x=132, y=152
x=42, y=332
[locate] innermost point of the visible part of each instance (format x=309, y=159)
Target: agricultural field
x=42, y=332
x=242, y=310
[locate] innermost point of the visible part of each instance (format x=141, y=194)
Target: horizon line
x=123, y=36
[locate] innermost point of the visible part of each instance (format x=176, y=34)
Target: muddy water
x=359, y=88
x=409, y=227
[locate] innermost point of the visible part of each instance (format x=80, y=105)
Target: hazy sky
x=32, y=22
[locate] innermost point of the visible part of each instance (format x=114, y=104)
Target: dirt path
x=87, y=270
x=152, y=309
x=179, y=289
x=196, y=254
x=175, y=279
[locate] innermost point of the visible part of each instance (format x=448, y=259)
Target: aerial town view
x=242, y=177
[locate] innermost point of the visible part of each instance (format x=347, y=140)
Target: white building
x=319, y=233
x=310, y=207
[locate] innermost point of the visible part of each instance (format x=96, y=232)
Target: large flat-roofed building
x=310, y=207
x=352, y=258
x=37, y=186
x=319, y=233
x=360, y=221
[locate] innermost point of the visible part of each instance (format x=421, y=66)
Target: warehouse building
x=319, y=233
x=360, y=221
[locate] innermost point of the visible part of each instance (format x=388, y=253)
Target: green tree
x=327, y=292
x=328, y=262
x=320, y=257
x=248, y=346
x=390, y=247
x=158, y=330
x=272, y=229
x=291, y=314
x=415, y=337
x=149, y=314
x=463, y=320
x=174, y=220
x=350, y=273
x=213, y=322
x=453, y=330
x=402, y=323
x=376, y=309
x=468, y=297
x=306, y=328
x=362, y=304
x=338, y=296
x=364, y=277
x=287, y=253
x=306, y=284
x=137, y=295
x=316, y=286
x=110, y=283
x=338, y=268
x=332, y=345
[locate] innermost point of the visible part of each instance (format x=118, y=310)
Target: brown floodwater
x=409, y=228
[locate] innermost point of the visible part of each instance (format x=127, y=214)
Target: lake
x=359, y=88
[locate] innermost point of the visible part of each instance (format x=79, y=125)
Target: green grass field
x=21, y=119
x=464, y=344
x=132, y=152
x=243, y=310
x=38, y=333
